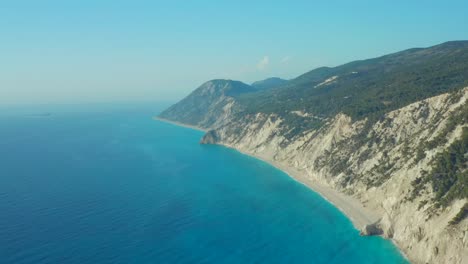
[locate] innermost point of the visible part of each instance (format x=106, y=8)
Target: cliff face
x=389, y=132
x=210, y=105
x=379, y=163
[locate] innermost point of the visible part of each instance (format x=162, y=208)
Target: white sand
x=179, y=124
x=351, y=207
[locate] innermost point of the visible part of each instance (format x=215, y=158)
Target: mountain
x=390, y=132
x=209, y=105
x=370, y=87
x=269, y=83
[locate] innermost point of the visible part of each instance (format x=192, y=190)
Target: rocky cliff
x=210, y=105
x=390, y=133
x=378, y=165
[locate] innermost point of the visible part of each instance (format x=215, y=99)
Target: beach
x=179, y=124
x=350, y=206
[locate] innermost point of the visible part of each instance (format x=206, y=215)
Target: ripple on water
x=88, y=189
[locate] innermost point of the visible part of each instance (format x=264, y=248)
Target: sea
x=105, y=183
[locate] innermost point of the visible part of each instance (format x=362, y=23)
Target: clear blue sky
x=90, y=50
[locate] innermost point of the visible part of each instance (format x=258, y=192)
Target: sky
x=57, y=51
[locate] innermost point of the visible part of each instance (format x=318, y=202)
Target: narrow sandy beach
x=179, y=124
x=351, y=207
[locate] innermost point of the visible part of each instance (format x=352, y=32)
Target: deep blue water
x=111, y=185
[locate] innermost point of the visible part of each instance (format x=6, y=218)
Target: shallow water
x=111, y=185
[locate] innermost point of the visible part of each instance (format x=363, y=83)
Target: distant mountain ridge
x=214, y=99
x=390, y=131
x=269, y=83
x=360, y=89
x=208, y=104
x=376, y=85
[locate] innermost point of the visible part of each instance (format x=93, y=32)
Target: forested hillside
x=369, y=87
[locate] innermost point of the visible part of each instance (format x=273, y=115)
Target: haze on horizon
x=90, y=51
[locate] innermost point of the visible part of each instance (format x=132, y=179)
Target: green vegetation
x=368, y=88
x=206, y=104
x=360, y=89
x=298, y=124
x=268, y=83
x=420, y=154
x=449, y=174
x=382, y=171
x=363, y=90
x=460, y=118
x=461, y=215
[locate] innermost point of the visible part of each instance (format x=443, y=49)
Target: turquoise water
x=110, y=185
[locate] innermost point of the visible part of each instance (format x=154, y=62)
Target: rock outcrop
x=390, y=133
x=372, y=230
x=378, y=165
x=211, y=137
x=210, y=105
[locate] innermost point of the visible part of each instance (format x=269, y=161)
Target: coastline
x=179, y=124
x=349, y=206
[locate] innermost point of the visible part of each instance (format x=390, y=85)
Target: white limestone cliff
x=378, y=172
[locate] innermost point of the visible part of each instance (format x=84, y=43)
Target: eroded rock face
x=210, y=105
x=377, y=165
x=302, y=127
x=211, y=137
x=372, y=230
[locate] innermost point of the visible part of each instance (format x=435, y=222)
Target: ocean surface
x=107, y=184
